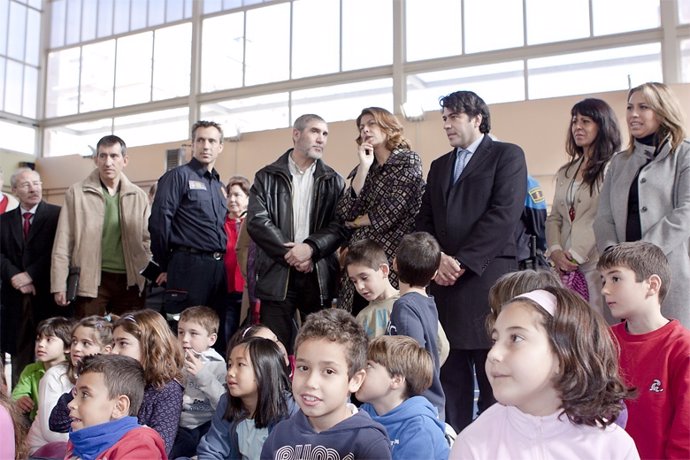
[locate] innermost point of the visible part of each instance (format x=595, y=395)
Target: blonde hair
x=665, y=105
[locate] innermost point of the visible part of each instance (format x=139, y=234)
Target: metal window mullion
x=525, y=71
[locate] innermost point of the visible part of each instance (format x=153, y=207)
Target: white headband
x=543, y=298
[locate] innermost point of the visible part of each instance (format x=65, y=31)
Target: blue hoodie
x=414, y=429
x=356, y=437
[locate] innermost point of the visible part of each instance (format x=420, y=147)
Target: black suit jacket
x=474, y=220
x=31, y=256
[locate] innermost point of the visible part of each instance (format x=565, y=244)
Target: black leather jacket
x=270, y=225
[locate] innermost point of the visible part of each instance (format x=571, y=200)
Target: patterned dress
x=391, y=196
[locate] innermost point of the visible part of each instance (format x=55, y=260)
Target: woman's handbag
x=576, y=281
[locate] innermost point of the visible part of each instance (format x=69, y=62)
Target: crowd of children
x=567, y=384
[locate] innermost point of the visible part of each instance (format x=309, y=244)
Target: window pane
x=137, y=16
x=552, y=21
x=188, y=5
x=684, y=11
x=212, y=6
x=343, y=102
x=77, y=138
x=17, y=31
x=57, y=23
x=35, y=3
x=156, y=12
x=2, y=82
x=685, y=60
x=153, y=127
x=312, y=56
x=18, y=138
x=171, y=61
x=250, y=114
x=594, y=71
x=424, y=41
x=494, y=83
x=221, y=55
x=133, y=69
x=30, y=91
x=4, y=13
x=33, y=36
x=362, y=49
x=105, y=18
x=14, y=83
x=268, y=44
x=97, y=74
x=73, y=21
x=616, y=16
x=485, y=30
x=63, y=81
x=121, y=23
x=230, y=4
x=174, y=10
x=89, y=19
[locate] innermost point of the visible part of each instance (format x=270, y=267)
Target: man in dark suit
x=473, y=200
x=26, y=242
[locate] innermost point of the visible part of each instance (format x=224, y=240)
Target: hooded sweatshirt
x=414, y=430
x=356, y=437
x=203, y=390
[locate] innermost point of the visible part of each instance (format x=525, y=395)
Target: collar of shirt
x=32, y=210
x=201, y=169
x=472, y=147
x=294, y=169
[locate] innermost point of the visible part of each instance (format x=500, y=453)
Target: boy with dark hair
x=108, y=394
x=414, y=313
x=330, y=355
x=655, y=351
x=398, y=371
x=204, y=369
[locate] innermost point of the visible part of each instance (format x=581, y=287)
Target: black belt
x=218, y=255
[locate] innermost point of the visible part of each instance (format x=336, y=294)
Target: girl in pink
x=553, y=369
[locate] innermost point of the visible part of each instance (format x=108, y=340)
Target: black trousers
x=303, y=295
x=457, y=380
x=197, y=279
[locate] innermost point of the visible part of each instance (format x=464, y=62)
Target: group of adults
x=300, y=214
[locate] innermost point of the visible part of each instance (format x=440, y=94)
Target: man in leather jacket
x=291, y=218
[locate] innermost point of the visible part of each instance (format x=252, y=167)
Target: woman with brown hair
x=646, y=194
x=385, y=192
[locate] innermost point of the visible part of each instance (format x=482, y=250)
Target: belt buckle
x=217, y=255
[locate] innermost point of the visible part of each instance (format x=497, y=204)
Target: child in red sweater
x=108, y=394
x=655, y=350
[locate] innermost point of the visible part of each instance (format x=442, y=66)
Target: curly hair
x=161, y=355
x=389, y=124
x=469, y=103
x=589, y=383
x=606, y=144
x=338, y=326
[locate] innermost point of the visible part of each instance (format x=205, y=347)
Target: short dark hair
x=241, y=181
x=643, y=258
x=338, y=326
x=122, y=375
x=365, y=252
x=403, y=356
x=301, y=122
x=207, y=124
x=111, y=139
x=469, y=103
x=58, y=326
x=417, y=259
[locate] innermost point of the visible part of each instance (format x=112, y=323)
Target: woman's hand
x=366, y=158
x=360, y=221
x=563, y=260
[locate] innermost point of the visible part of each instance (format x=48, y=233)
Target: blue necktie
x=460, y=163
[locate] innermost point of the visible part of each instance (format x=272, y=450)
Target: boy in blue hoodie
x=398, y=372
x=330, y=356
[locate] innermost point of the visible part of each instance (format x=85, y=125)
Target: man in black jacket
x=291, y=218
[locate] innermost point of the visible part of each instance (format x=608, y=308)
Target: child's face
x=377, y=383
x=370, y=283
x=91, y=404
x=193, y=335
x=84, y=343
x=126, y=344
x=240, y=377
x=521, y=365
x=625, y=297
x=50, y=349
x=321, y=385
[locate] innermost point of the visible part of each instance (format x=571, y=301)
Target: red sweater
x=232, y=269
x=142, y=442
x=658, y=365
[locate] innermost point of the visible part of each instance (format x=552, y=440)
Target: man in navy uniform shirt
x=186, y=225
